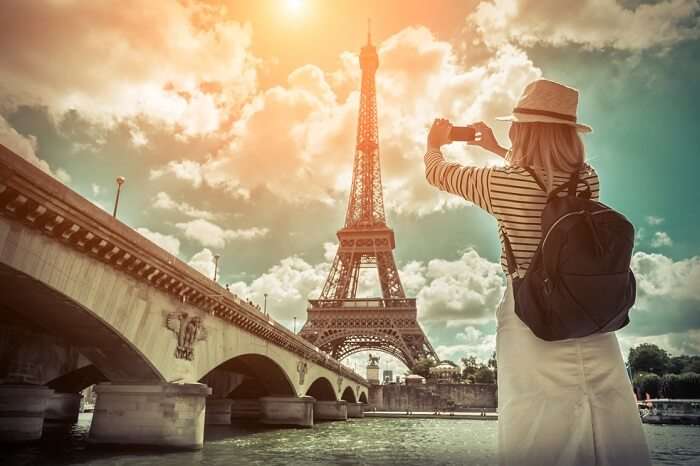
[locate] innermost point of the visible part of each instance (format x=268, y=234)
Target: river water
x=356, y=442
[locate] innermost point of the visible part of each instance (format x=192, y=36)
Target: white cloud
x=590, y=23
x=203, y=261
x=167, y=242
x=96, y=189
x=653, y=220
x=470, y=342
x=467, y=290
x=661, y=239
x=298, y=139
x=211, y=235
x=288, y=285
x=661, y=276
x=26, y=147
x=677, y=343
x=180, y=63
x=164, y=201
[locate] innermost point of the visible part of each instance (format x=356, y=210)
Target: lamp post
x=216, y=264
x=265, y=303
x=120, y=182
x=295, y=324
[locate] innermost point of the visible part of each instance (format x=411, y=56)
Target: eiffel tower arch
x=338, y=322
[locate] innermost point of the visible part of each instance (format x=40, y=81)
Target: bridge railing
x=34, y=198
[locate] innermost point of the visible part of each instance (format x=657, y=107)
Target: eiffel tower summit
x=338, y=322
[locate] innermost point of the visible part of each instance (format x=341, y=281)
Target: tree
x=484, y=375
x=471, y=365
x=646, y=383
x=493, y=364
x=422, y=367
x=647, y=357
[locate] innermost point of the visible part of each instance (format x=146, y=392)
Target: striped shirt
x=510, y=194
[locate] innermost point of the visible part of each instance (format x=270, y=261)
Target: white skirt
x=563, y=403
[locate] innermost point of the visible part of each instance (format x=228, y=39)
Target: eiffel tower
x=338, y=322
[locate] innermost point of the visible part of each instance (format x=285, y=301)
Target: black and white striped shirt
x=510, y=194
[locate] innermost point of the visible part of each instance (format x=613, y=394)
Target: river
x=404, y=442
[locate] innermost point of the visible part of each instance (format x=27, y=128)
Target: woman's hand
x=485, y=138
x=439, y=134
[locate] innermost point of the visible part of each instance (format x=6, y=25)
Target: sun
x=294, y=6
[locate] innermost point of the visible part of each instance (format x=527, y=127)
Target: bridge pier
x=218, y=411
x=331, y=410
x=168, y=415
x=63, y=407
x=356, y=410
x=246, y=409
x=287, y=410
x=22, y=409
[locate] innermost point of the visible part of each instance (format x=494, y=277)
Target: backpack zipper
x=578, y=212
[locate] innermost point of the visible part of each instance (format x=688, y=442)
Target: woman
x=565, y=402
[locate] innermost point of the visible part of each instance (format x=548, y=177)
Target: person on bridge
x=563, y=402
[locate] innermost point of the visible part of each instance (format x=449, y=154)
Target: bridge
x=85, y=299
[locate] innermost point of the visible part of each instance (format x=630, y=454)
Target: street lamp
x=295, y=324
x=216, y=264
x=120, y=182
x=265, y=303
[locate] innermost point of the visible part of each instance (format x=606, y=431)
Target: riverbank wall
x=431, y=396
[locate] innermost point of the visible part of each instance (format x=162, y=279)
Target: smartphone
x=462, y=133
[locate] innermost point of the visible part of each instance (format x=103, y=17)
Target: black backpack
x=579, y=281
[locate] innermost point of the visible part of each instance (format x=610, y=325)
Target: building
x=387, y=376
x=445, y=371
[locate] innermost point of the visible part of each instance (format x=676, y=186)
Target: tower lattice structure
x=338, y=322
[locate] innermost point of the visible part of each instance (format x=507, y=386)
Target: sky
x=234, y=125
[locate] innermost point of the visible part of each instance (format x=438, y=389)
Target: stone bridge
x=85, y=299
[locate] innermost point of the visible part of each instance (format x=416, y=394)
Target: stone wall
x=426, y=397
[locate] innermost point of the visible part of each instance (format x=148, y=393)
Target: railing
x=30, y=196
x=390, y=303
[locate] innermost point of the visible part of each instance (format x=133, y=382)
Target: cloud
x=163, y=201
x=26, y=147
x=668, y=296
x=180, y=63
x=203, y=261
x=212, y=235
x=652, y=220
x=595, y=24
x=661, y=239
x=467, y=290
x=167, y=242
x=677, y=343
x=470, y=342
x=289, y=285
x=298, y=139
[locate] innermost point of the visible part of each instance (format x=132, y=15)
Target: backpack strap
x=537, y=179
x=510, y=257
x=571, y=186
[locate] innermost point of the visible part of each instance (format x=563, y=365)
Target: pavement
x=473, y=415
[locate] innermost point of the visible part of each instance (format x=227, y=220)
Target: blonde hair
x=546, y=147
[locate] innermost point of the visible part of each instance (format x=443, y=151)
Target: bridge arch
x=249, y=376
x=38, y=307
x=363, y=397
x=322, y=390
x=77, y=380
x=349, y=395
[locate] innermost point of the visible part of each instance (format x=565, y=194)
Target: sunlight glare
x=294, y=6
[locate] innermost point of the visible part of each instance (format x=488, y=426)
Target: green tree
x=646, y=383
x=422, y=367
x=471, y=365
x=686, y=385
x=484, y=374
x=493, y=364
x=647, y=357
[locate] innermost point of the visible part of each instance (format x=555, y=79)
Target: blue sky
x=235, y=129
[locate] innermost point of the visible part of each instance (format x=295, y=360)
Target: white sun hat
x=548, y=102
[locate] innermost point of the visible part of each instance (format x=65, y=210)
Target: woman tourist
x=564, y=402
